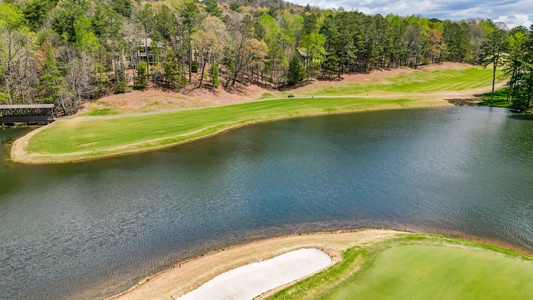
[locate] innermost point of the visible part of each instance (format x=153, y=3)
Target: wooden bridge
x=27, y=113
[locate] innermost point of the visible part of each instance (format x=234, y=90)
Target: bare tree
x=209, y=41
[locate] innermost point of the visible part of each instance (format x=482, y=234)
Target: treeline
x=65, y=51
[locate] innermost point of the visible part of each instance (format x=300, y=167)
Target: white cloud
x=515, y=20
x=509, y=11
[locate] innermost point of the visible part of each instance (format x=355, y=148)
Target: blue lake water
x=89, y=230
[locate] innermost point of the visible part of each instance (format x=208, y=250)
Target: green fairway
x=105, y=134
x=409, y=82
x=416, y=266
x=420, y=82
x=80, y=138
x=437, y=272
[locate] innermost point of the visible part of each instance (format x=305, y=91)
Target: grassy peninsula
x=82, y=138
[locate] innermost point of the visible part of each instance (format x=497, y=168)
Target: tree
x=145, y=18
x=17, y=69
x=522, y=79
x=417, y=43
x=491, y=52
x=513, y=61
x=295, y=71
x=50, y=82
x=171, y=69
x=313, y=46
x=123, y=7
x=209, y=40
x=190, y=15
x=211, y=7
x=141, y=82
x=66, y=15
x=214, y=74
x=36, y=11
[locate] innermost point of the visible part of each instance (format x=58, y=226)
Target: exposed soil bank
x=189, y=275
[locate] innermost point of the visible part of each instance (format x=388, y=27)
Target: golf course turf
x=421, y=267
x=436, y=272
x=82, y=138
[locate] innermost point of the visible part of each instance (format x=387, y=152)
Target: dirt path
x=187, y=276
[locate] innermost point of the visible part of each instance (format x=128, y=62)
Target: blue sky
x=516, y=12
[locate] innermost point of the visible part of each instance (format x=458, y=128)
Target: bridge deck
x=27, y=113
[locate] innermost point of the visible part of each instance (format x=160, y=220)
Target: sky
x=512, y=12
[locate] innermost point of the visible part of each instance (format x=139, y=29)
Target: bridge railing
x=27, y=113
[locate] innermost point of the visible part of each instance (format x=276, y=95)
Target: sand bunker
x=250, y=281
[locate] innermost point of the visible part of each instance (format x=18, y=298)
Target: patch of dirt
x=159, y=100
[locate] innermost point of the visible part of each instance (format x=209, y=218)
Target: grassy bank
x=421, y=267
x=108, y=132
x=499, y=99
x=84, y=138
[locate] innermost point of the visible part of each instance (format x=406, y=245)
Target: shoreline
x=188, y=275
x=18, y=153
x=202, y=268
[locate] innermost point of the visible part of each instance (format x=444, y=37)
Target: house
x=148, y=51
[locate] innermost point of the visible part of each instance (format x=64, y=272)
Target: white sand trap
x=252, y=280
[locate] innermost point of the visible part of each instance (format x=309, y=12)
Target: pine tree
x=214, y=74
x=211, y=7
x=491, y=53
x=141, y=81
x=295, y=71
x=50, y=83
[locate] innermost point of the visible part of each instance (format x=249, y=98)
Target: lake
x=89, y=230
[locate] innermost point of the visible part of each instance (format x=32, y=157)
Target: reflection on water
x=88, y=230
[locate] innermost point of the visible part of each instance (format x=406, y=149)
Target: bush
x=121, y=87
x=4, y=98
x=141, y=82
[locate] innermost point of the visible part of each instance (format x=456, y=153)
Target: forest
x=68, y=51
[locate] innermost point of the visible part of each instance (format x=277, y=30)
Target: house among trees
x=149, y=51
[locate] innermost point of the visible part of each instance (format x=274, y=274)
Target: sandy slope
x=187, y=276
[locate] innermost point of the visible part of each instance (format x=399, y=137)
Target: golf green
x=439, y=272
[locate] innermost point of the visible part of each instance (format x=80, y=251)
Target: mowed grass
x=437, y=272
x=417, y=81
x=85, y=138
x=102, y=135
x=418, y=266
x=499, y=99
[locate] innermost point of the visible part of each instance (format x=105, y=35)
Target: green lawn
x=409, y=82
x=101, y=112
x=417, y=266
x=84, y=138
x=90, y=137
x=437, y=272
x=420, y=82
x=499, y=99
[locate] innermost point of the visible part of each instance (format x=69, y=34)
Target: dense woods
x=66, y=51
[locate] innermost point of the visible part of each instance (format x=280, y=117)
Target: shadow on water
x=521, y=116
